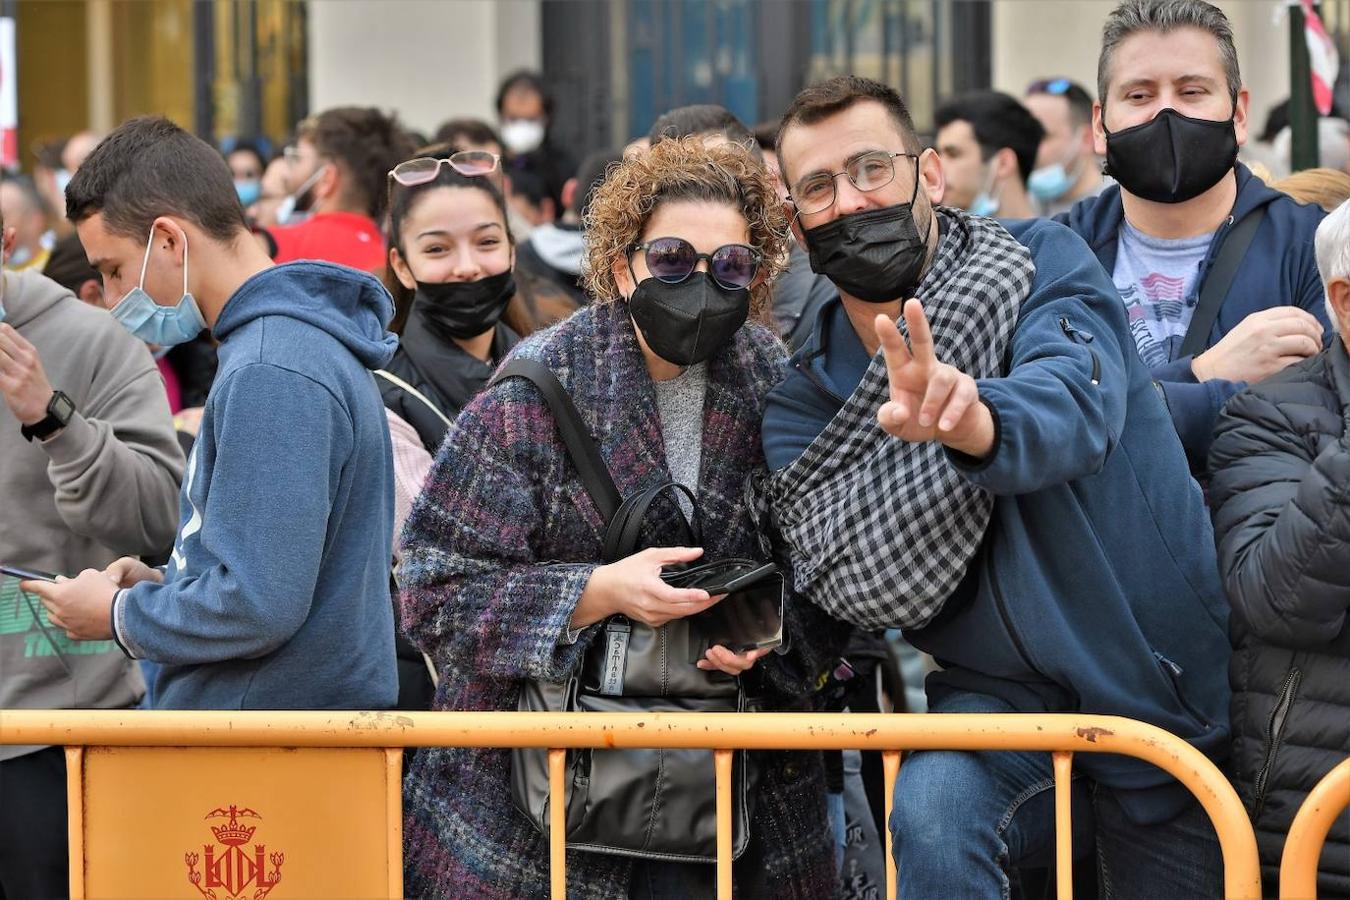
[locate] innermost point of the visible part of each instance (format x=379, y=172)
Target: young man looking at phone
x=276, y=594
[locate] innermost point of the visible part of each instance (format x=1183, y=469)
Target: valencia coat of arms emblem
x=230, y=871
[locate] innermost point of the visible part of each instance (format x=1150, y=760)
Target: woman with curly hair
x=502, y=575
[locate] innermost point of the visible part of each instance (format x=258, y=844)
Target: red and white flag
x=1324, y=61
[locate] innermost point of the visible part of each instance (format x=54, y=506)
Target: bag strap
x=580, y=445
x=409, y=389
x=1219, y=280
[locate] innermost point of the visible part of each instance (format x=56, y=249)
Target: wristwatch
x=59, y=410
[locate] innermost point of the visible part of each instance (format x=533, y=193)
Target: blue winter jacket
x=277, y=593
x=1278, y=269
x=1097, y=589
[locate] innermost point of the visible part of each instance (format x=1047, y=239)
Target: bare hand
x=130, y=571
x=23, y=383
x=633, y=587
x=929, y=400
x=722, y=659
x=1261, y=345
x=81, y=606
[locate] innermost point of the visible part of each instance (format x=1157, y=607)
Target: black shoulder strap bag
x=651, y=804
x=1219, y=280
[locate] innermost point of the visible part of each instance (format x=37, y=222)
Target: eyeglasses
x=1055, y=86
x=425, y=168
x=672, y=260
x=868, y=172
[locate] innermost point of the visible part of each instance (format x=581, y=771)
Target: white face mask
x=522, y=135
x=286, y=213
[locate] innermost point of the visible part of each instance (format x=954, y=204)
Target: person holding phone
x=89, y=471
x=501, y=574
x=276, y=592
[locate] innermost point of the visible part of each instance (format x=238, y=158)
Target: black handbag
x=651, y=804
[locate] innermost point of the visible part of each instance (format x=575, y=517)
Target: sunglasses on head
x=672, y=260
x=424, y=169
x=1054, y=86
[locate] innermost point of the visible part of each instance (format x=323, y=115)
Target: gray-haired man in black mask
x=1216, y=270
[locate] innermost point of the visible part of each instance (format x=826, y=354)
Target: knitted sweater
x=497, y=552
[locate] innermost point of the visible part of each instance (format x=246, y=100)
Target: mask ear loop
x=145, y=263
x=185, y=264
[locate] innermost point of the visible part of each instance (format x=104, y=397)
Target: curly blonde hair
x=682, y=169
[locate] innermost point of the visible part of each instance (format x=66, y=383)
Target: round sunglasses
x=672, y=260
x=425, y=168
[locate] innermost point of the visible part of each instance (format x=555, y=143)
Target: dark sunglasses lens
x=670, y=259
x=734, y=266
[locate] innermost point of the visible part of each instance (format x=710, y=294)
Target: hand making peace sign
x=930, y=400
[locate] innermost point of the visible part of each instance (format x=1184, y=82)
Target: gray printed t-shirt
x=1157, y=280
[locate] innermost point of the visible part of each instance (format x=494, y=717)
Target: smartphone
x=26, y=574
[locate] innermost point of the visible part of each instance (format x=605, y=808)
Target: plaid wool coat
x=496, y=554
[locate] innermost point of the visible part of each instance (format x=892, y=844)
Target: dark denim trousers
x=963, y=820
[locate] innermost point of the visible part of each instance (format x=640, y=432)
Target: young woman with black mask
x=451, y=256
x=460, y=306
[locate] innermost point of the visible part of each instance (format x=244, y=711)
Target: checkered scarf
x=879, y=532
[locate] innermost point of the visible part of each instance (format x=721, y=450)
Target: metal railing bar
x=722, y=760
x=1063, y=763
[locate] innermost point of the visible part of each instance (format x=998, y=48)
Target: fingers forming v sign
x=929, y=400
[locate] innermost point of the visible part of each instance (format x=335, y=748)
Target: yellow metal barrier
x=1303, y=846
x=120, y=783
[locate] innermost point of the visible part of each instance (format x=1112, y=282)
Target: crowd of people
x=1049, y=404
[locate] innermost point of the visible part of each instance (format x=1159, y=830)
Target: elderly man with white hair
x=1280, y=491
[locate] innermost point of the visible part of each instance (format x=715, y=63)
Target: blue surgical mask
x=249, y=191
x=985, y=203
x=165, y=326
x=63, y=177
x=1049, y=183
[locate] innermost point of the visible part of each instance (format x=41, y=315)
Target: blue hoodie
x=277, y=593
x=1097, y=589
x=1279, y=269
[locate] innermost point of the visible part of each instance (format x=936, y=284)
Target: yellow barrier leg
x=1064, y=824
x=1308, y=833
x=722, y=762
x=890, y=764
x=393, y=768
x=75, y=812
x=557, y=823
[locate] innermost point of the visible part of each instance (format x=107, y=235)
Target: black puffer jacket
x=1280, y=465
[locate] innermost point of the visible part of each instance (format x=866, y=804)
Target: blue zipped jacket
x=1097, y=589
x=1278, y=269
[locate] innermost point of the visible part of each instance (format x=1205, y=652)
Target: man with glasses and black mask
x=1010, y=513
x=1216, y=269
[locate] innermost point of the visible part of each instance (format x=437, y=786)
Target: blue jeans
x=963, y=820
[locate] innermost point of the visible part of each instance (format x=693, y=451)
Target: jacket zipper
x=803, y=366
x=1082, y=337
x=1173, y=673
x=1274, y=733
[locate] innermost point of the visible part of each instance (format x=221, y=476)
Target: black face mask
x=1172, y=158
x=877, y=255
x=688, y=322
x=464, y=309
